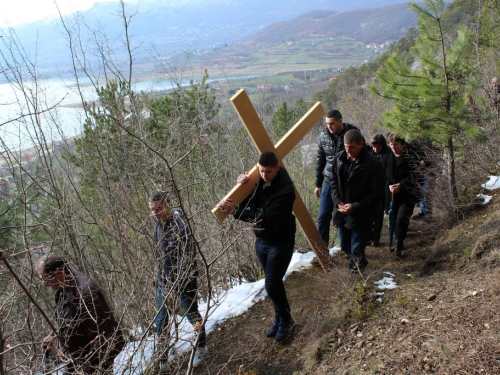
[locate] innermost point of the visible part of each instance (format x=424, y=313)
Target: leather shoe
x=271, y=332
x=284, y=330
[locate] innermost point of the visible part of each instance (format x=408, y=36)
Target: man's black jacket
x=363, y=189
x=270, y=209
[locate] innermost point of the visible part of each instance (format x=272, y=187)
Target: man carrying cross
x=269, y=207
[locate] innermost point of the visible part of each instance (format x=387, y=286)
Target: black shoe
x=397, y=249
x=271, y=332
x=362, y=264
x=284, y=330
x=375, y=243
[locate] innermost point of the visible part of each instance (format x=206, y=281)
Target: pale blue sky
x=15, y=12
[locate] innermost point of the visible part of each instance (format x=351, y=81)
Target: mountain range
x=170, y=26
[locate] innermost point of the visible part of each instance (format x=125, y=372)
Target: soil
x=442, y=317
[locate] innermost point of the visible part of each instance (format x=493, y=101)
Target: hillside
x=441, y=318
x=375, y=25
x=169, y=27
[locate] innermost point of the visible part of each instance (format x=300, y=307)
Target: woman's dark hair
x=379, y=139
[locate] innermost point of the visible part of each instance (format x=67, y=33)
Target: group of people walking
x=356, y=183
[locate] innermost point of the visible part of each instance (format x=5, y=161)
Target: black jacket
x=404, y=170
x=270, y=209
x=329, y=145
x=364, y=188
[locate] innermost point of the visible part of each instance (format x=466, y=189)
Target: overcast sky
x=15, y=12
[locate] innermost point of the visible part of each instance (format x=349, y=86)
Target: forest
x=86, y=197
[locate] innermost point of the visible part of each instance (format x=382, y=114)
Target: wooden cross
x=263, y=143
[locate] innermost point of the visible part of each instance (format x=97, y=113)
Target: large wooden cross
x=263, y=143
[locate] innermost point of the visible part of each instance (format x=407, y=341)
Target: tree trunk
x=452, y=178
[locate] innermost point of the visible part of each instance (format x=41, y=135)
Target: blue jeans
x=353, y=242
x=274, y=260
x=425, y=205
x=189, y=304
x=325, y=213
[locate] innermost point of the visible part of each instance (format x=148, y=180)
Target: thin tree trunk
x=2, y=346
x=452, y=178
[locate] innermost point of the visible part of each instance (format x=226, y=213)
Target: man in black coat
x=330, y=143
x=357, y=188
x=269, y=208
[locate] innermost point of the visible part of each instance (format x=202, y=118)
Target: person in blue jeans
x=357, y=189
x=269, y=208
x=330, y=143
x=176, y=277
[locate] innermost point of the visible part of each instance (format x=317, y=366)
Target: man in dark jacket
x=87, y=329
x=331, y=142
x=357, y=188
x=269, y=208
x=176, y=273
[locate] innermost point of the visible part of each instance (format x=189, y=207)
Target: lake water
x=57, y=103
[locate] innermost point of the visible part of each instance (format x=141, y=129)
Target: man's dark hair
x=334, y=113
x=160, y=196
x=353, y=135
x=379, y=139
x=268, y=159
x=395, y=137
x=51, y=263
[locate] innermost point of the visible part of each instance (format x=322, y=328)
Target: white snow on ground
x=227, y=303
x=493, y=183
x=486, y=198
x=386, y=282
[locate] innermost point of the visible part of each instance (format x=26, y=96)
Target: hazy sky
x=15, y=12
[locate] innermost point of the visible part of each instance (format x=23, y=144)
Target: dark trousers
x=403, y=211
x=378, y=222
x=353, y=242
x=274, y=260
x=189, y=303
x=325, y=213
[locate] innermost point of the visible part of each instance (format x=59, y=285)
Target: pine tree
x=432, y=97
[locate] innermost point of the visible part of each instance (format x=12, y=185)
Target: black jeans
x=274, y=259
x=378, y=222
x=404, y=210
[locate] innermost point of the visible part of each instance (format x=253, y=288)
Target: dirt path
x=445, y=323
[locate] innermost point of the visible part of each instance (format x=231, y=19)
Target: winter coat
x=329, y=145
x=175, y=250
x=404, y=170
x=363, y=189
x=86, y=325
x=270, y=210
